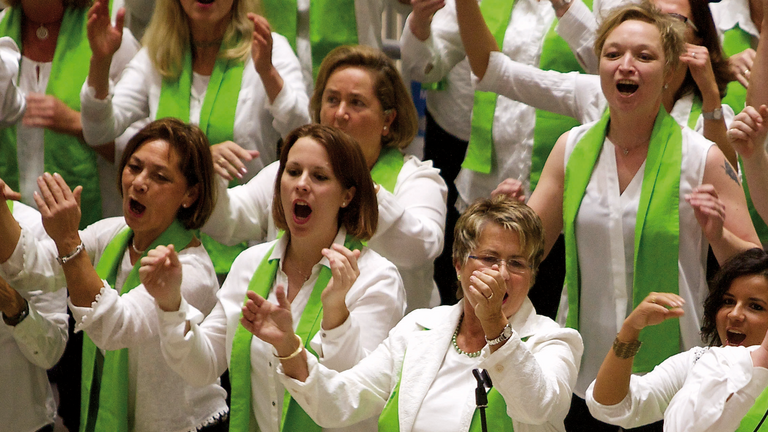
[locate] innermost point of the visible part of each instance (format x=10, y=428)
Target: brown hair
x=389, y=89
x=360, y=217
x=195, y=163
x=671, y=31
x=79, y=4
x=511, y=215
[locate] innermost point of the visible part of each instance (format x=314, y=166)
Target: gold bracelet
x=625, y=350
x=295, y=353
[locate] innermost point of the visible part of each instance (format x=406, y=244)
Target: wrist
x=288, y=346
x=19, y=316
x=420, y=28
x=560, y=7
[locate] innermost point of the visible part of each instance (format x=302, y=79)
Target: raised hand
x=47, y=111
x=697, y=59
x=343, y=263
x=654, y=309
x=60, y=209
x=421, y=17
x=485, y=293
x=708, y=209
x=272, y=323
x=160, y=273
x=6, y=193
x=261, y=44
x=103, y=37
x=741, y=65
x=748, y=130
x=228, y=157
x=512, y=188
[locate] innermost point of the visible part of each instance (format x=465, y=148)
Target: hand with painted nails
x=160, y=273
x=272, y=323
x=6, y=193
x=343, y=264
x=654, y=309
x=228, y=159
x=741, y=65
x=60, y=209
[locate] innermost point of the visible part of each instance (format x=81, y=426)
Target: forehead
x=635, y=34
x=307, y=149
x=156, y=151
x=752, y=286
x=681, y=7
x=352, y=79
x=495, y=238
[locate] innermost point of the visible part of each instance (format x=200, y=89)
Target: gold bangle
x=295, y=353
x=625, y=350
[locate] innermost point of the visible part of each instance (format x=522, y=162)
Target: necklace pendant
x=41, y=32
x=625, y=151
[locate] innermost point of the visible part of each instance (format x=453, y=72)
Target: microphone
x=481, y=396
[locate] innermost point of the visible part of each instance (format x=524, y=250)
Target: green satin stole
x=556, y=55
x=9, y=203
x=104, y=385
x=64, y=154
x=294, y=418
x=331, y=23
x=755, y=415
x=387, y=168
x=217, y=120
x=656, y=229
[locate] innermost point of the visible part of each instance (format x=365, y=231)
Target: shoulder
x=413, y=167
x=251, y=257
x=371, y=261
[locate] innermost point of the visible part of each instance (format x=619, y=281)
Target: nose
x=341, y=112
x=626, y=62
x=303, y=182
x=140, y=182
x=737, y=312
x=504, y=270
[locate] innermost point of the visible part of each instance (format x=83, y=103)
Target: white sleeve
x=718, y=392
x=12, y=100
x=536, y=378
x=115, y=322
x=649, y=394
x=572, y=94
x=42, y=335
x=376, y=303
x=128, y=101
x=290, y=109
x=411, y=226
x=242, y=213
x=432, y=59
x=578, y=27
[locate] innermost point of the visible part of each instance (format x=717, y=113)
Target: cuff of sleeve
x=13, y=267
x=606, y=413
x=85, y=316
x=294, y=384
x=389, y=209
x=569, y=27
x=421, y=55
x=283, y=103
x=492, y=73
x=92, y=108
x=173, y=323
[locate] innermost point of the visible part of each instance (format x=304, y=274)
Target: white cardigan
x=535, y=377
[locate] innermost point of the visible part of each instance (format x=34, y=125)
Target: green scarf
x=108, y=410
x=735, y=41
x=217, y=120
x=755, y=415
x=656, y=228
x=387, y=168
x=331, y=23
x=479, y=157
x=9, y=203
x=556, y=55
x=65, y=154
x=294, y=418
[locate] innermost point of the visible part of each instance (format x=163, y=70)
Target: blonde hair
x=167, y=37
x=671, y=30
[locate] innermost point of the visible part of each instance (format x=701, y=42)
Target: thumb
x=77, y=192
x=173, y=257
x=120, y=18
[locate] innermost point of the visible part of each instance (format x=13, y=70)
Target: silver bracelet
x=63, y=260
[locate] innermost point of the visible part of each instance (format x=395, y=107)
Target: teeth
x=624, y=81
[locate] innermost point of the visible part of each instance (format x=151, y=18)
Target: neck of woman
x=205, y=40
x=303, y=253
x=629, y=131
x=756, y=13
x=471, y=336
x=43, y=11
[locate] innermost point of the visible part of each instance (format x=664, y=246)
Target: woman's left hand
x=272, y=323
x=160, y=273
x=261, y=44
x=343, y=263
x=227, y=159
x=485, y=293
x=709, y=210
x=47, y=111
x=60, y=208
x=698, y=61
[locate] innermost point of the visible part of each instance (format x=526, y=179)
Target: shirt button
x=270, y=364
x=322, y=334
x=273, y=403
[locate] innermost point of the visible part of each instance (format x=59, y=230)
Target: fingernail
x=243, y=170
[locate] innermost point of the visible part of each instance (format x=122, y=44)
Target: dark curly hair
x=752, y=262
x=79, y=4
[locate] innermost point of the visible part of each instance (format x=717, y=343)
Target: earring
x=344, y=204
x=666, y=86
x=386, y=128
x=458, y=276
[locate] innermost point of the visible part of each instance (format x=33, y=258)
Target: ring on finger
x=693, y=54
x=490, y=296
x=221, y=161
x=747, y=73
x=652, y=300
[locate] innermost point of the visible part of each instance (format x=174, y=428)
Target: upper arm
x=547, y=199
x=720, y=174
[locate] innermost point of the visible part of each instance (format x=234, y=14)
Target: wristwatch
x=15, y=320
x=717, y=114
x=506, y=333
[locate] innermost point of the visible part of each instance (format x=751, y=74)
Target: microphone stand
x=481, y=395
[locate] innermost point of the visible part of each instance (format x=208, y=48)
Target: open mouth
x=136, y=207
x=504, y=300
x=301, y=211
x=626, y=87
x=734, y=337
x=205, y=1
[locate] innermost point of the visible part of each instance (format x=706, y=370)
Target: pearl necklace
x=456, y=345
x=140, y=252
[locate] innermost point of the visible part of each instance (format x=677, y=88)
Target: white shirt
x=33, y=78
x=534, y=377
x=410, y=230
x=376, y=302
x=607, y=219
x=702, y=389
x=31, y=348
x=258, y=124
x=159, y=399
x=727, y=14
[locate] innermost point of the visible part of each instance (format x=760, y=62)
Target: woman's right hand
x=6, y=193
x=272, y=323
x=421, y=17
x=512, y=188
x=103, y=37
x=748, y=130
x=160, y=273
x=227, y=159
x=741, y=64
x=654, y=309
x=60, y=208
